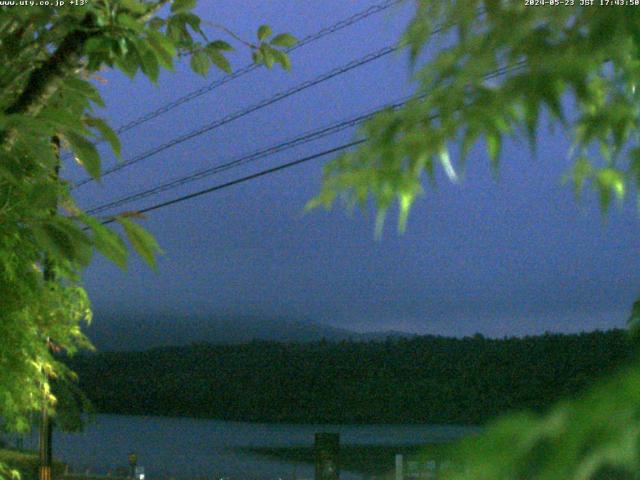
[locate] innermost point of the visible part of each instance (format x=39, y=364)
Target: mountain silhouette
x=139, y=332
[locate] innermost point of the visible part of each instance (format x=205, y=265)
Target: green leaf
x=129, y=22
x=107, y=242
x=633, y=322
x=141, y=240
x=148, y=61
x=38, y=148
x=405, y=201
x=99, y=49
x=494, y=145
x=85, y=153
x=62, y=119
x=200, y=62
x=218, y=59
x=163, y=46
x=60, y=238
x=192, y=20
x=532, y=111
x=44, y=197
x=83, y=88
x=177, y=31
x=381, y=216
x=156, y=23
x=179, y=6
x=582, y=171
x=608, y=181
x=445, y=161
x=267, y=56
x=284, y=40
x=220, y=45
x=264, y=32
x=282, y=58
x=134, y=6
x=107, y=133
x=257, y=56
x=129, y=64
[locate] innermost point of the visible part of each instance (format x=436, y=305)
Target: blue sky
x=508, y=256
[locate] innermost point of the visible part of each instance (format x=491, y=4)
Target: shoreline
x=364, y=459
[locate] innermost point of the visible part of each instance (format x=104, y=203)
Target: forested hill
x=423, y=379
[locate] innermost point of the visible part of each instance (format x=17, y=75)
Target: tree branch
x=45, y=80
x=230, y=33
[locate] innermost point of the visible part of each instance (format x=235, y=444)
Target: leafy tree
x=416, y=380
x=585, y=56
x=47, y=103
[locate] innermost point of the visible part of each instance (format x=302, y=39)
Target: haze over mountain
x=137, y=332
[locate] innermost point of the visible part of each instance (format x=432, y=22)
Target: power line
x=253, y=66
x=323, y=32
x=248, y=177
x=246, y=111
x=279, y=96
x=496, y=73
x=271, y=150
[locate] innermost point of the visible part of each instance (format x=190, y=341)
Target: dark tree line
x=425, y=379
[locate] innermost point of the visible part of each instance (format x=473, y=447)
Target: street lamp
x=133, y=460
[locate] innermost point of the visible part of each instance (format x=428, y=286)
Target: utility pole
x=45, y=442
x=327, y=451
x=46, y=430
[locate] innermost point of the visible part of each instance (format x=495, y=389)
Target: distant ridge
x=110, y=332
x=423, y=379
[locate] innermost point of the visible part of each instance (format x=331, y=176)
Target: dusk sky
x=508, y=256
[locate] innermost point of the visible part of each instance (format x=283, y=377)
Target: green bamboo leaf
x=141, y=240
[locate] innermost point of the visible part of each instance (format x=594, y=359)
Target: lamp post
x=133, y=461
x=327, y=447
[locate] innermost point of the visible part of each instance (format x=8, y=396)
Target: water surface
x=187, y=447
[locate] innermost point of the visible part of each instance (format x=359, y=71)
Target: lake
x=187, y=447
